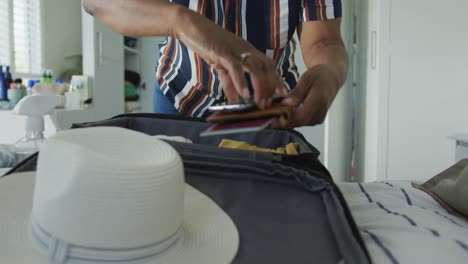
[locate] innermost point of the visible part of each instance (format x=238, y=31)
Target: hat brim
x=210, y=236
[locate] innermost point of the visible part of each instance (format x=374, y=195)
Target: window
x=4, y=32
x=24, y=53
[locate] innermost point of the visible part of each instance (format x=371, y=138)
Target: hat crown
x=108, y=188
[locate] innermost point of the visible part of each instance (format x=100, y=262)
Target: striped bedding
x=401, y=224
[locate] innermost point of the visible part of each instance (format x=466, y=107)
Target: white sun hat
x=110, y=195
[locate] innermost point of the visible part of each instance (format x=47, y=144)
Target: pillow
x=450, y=188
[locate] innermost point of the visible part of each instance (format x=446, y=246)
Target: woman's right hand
x=223, y=50
x=215, y=45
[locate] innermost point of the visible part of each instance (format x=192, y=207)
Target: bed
x=401, y=224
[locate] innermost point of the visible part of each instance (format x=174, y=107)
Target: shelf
x=131, y=51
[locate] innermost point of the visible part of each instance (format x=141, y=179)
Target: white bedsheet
x=401, y=224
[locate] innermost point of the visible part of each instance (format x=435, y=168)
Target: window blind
x=27, y=36
x=5, y=33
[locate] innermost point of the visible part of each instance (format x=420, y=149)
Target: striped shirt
x=192, y=85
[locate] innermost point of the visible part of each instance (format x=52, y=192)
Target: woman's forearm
x=333, y=55
x=137, y=17
x=322, y=45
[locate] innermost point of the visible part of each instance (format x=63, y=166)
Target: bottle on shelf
x=73, y=97
x=31, y=84
x=3, y=86
x=15, y=93
x=50, y=79
x=44, y=76
x=8, y=77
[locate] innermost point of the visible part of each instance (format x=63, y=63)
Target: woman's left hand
x=313, y=96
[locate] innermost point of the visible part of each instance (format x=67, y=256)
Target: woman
x=212, y=43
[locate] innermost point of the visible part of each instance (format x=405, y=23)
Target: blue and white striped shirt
x=192, y=85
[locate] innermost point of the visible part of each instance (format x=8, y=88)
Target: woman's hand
x=313, y=96
x=231, y=56
x=326, y=58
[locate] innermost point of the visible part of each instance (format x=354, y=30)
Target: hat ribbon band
x=61, y=252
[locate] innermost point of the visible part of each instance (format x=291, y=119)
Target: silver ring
x=244, y=56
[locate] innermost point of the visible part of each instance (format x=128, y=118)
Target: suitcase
x=287, y=208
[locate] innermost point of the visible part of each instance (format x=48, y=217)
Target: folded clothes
x=132, y=77
x=50, y=88
x=130, y=90
x=290, y=149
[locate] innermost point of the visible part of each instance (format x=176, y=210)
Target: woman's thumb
x=297, y=96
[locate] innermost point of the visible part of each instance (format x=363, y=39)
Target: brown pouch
x=281, y=113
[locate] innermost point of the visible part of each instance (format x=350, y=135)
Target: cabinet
x=103, y=64
x=103, y=57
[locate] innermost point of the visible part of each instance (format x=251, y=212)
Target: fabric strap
x=61, y=252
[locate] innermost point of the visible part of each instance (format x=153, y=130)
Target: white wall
x=416, y=96
x=61, y=32
x=428, y=90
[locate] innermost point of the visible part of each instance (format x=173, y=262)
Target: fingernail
x=261, y=104
x=246, y=93
x=283, y=92
x=265, y=103
x=289, y=101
